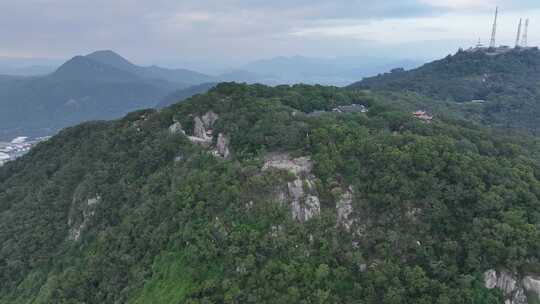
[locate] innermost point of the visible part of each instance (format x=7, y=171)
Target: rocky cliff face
x=531, y=284
x=203, y=134
x=344, y=209
x=209, y=119
x=222, y=146
x=80, y=215
x=516, y=291
x=301, y=193
x=283, y=161
x=176, y=128
x=305, y=203
x=200, y=129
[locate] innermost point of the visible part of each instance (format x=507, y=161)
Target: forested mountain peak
x=242, y=195
x=495, y=89
x=481, y=71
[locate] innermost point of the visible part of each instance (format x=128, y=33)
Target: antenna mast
x=479, y=44
x=525, y=34
x=518, y=34
x=494, y=32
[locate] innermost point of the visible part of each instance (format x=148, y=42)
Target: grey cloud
x=188, y=28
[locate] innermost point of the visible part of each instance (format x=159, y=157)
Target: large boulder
x=209, y=119
x=199, y=129
x=532, y=285
x=176, y=128
x=222, y=146
x=344, y=209
x=305, y=203
x=508, y=283
x=202, y=129
x=300, y=193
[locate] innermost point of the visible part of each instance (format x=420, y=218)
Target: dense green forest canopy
x=497, y=90
x=162, y=220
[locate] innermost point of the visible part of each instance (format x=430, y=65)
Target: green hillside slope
x=262, y=203
x=497, y=90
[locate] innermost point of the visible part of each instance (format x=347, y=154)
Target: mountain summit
x=497, y=89
x=113, y=59
x=85, y=68
x=184, y=76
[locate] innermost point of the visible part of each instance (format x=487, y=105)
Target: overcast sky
x=236, y=31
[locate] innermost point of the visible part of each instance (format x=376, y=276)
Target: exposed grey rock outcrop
x=532, y=285
x=203, y=134
x=80, y=215
x=209, y=119
x=222, y=146
x=519, y=297
x=283, y=161
x=299, y=193
x=202, y=128
x=508, y=283
x=502, y=280
x=305, y=203
x=176, y=128
x=344, y=209
x=199, y=128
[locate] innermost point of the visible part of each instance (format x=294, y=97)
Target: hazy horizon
x=220, y=34
x=208, y=67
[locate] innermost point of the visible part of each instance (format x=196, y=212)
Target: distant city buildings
x=17, y=148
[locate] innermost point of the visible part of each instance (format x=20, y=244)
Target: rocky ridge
x=203, y=134
x=301, y=192
x=515, y=291
x=80, y=215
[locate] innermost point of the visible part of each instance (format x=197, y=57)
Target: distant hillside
x=86, y=69
x=339, y=71
x=28, y=66
x=183, y=94
x=81, y=89
x=34, y=70
x=248, y=77
x=172, y=75
x=499, y=90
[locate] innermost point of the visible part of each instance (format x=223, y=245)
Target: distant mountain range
x=28, y=66
x=339, y=71
x=183, y=94
x=104, y=85
x=27, y=70
x=153, y=72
